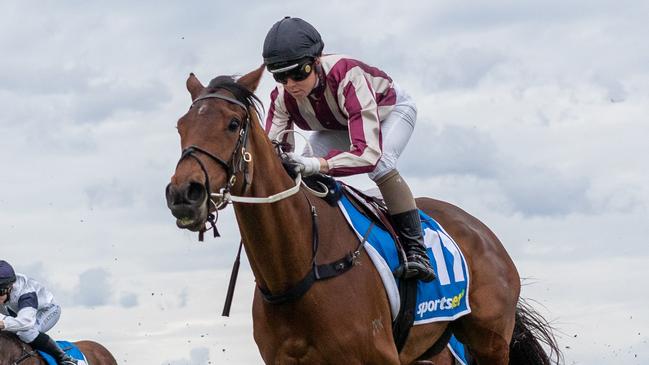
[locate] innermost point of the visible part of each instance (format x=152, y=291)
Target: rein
x=25, y=355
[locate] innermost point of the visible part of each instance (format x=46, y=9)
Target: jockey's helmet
x=7, y=274
x=290, y=41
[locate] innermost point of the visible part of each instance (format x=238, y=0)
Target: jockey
x=362, y=121
x=28, y=309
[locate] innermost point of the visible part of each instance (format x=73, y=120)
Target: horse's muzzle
x=188, y=204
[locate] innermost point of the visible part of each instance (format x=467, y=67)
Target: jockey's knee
x=28, y=336
x=380, y=177
x=385, y=166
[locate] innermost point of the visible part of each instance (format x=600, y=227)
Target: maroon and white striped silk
x=356, y=97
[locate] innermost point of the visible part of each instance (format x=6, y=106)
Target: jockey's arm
x=25, y=319
x=26, y=316
x=359, y=104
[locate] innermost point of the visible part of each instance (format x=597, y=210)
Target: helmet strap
x=320, y=79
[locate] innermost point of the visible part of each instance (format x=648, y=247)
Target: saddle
x=372, y=207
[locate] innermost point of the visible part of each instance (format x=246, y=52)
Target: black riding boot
x=44, y=343
x=408, y=226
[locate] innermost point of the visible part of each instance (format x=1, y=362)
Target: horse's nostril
x=172, y=195
x=195, y=192
x=168, y=194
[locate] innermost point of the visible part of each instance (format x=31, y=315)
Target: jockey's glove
x=305, y=165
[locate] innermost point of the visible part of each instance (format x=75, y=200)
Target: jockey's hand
x=306, y=165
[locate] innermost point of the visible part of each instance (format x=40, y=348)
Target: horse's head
x=213, y=136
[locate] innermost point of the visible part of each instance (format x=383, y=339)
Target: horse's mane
x=6, y=334
x=240, y=92
x=9, y=337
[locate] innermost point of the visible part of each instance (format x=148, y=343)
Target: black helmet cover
x=291, y=40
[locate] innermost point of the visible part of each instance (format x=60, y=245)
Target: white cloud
x=197, y=356
x=128, y=300
x=94, y=288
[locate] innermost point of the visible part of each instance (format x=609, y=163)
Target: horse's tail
x=531, y=333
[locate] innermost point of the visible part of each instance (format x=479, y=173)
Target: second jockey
x=28, y=309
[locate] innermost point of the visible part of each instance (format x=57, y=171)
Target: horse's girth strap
x=320, y=272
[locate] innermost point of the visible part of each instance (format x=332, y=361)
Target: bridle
x=239, y=159
x=238, y=162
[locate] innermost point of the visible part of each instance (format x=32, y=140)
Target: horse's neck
x=277, y=236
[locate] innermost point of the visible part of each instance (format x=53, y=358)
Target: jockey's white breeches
x=45, y=320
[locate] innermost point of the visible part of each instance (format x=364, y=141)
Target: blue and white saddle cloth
x=458, y=351
x=70, y=349
x=443, y=299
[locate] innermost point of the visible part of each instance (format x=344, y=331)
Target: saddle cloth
x=70, y=349
x=458, y=351
x=443, y=299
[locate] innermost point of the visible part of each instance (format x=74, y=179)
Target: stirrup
x=414, y=268
x=69, y=361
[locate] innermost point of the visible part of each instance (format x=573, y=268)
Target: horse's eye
x=234, y=125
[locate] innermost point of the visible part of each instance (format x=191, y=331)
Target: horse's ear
x=194, y=86
x=251, y=80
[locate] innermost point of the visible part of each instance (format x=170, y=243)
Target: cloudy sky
x=533, y=116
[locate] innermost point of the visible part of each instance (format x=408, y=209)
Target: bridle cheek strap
x=231, y=166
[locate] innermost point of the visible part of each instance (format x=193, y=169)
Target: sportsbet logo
x=440, y=304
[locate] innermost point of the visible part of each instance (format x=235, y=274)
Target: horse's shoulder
x=11, y=346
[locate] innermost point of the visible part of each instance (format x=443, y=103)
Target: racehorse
x=346, y=319
x=15, y=352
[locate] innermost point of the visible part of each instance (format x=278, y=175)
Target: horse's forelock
x=240, y=92
x=219, y=82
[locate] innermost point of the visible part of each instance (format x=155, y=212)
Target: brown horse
x=346, y=319
x=15, y=352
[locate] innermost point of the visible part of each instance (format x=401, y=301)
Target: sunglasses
x=4, y=291
x=299, y=73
